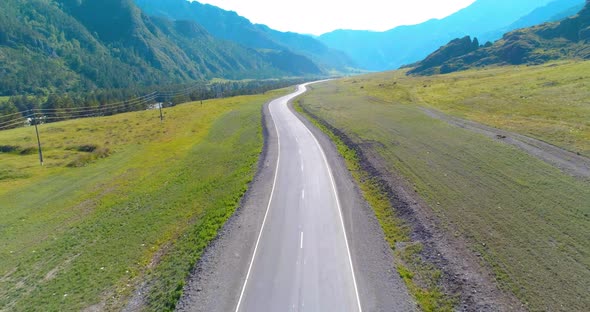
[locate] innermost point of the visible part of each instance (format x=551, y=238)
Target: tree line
x=57, y=107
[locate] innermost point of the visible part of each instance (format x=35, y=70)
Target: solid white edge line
x=358, y=300
x=274, y=183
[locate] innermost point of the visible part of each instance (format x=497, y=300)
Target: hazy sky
x=320, y=16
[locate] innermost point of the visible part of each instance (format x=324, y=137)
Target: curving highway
x=301, y=260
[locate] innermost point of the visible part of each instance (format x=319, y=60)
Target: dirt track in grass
x=571, y=163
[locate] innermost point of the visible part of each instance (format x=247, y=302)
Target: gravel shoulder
x=571, y=163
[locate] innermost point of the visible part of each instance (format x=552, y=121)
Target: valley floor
x=446, y=171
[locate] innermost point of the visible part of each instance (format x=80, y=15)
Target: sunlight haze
x=318, y=17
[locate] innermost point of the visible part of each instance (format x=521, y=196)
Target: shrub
x=29, y=151
x=9, y=148
x=87, y=158
x=87, y=148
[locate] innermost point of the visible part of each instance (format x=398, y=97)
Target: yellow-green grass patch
x=73, y=237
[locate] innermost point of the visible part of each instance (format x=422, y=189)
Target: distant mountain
x=552, y=12
x=407, y=44
x=569, y=38
x=229, y=25
x=76, y=45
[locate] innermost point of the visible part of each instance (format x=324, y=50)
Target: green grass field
x=4, y=98
x=529, y=221
x=548, y=102
x=88, y=228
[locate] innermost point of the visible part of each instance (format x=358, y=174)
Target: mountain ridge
x=566, y=39
x=407, y=44
x=81, y=45
x=229, y=25
x=552, y=12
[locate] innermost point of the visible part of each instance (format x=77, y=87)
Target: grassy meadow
x=528, y=220
x=548, y=102
x=122, y=202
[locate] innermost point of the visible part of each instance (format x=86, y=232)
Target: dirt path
x=569, y=162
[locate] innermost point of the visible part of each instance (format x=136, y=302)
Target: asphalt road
x=301, y=260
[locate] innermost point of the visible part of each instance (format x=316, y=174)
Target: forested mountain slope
x=76, y=45
x=230, y=26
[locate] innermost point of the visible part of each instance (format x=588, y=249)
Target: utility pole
x=161, y=116
x=36, y=121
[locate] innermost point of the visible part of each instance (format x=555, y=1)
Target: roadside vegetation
x=527, y=221
x=123, y=202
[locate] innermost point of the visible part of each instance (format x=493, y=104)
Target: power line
x=14, y=114
x=185, y=91
x=98, y=108
x=132, y=101
x=77, y=112
x=11, y=121
x=12, y=125
x=133, y=104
